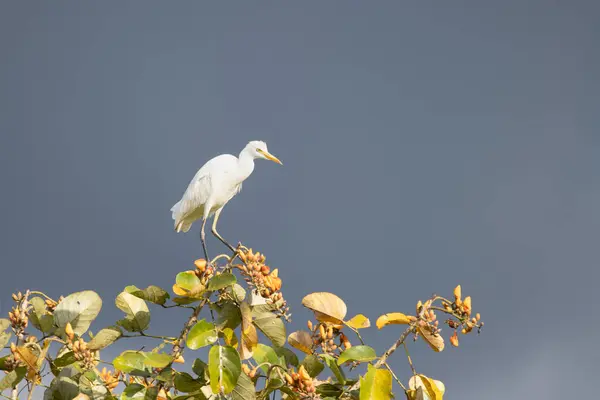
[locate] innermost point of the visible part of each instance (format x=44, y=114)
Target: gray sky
x=424, y=145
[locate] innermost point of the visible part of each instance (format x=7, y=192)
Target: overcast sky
x=424, y=145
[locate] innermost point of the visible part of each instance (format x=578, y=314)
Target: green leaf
x=185, y=383
x=290, y=357
x=157, y=360
x=238, y=292
x=131, y=362
x=272, y=326
x=11, y=379
x=225, y=367
x=265, y=354
x=312, y=365
x=136, y=310
x=200, y=368
x=133, y=391
x=40, y=318
x=90, y=385
x=4, y=338
x=187, y=280
x=153, y=294
x=63, y=389
x=357, y=353
x=3, y=363
x=105, y=338
x=244, y=390
x=79, y=309
x=4, y=324
x=229, y=315
x=376, y=384
x=167, y=375
x=221, y=281
x=332, y=364
x=329, y=390
x=182, y=301
x=202, y=334
x=67, y=358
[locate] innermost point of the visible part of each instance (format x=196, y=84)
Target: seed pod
x=419, y=305
x=347, y=344
x=304, y=375
x=477, y=316
x=322, y=332
x=464, y=331
x=289, y=379
x=265, y=270
x=69, y=331
x=329, y=332
x=330, y=342
x=333, y=347
x=179, y=360
x=457, y=292
x=200, y=264
x=454, y=339
x=467, y=305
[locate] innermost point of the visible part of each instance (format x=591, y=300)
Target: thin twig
x=395, y=377
x=383, y=359
x=412, y=367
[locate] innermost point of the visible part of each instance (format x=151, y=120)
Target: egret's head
x=259, y=150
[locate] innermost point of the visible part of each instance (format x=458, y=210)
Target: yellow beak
x=270, y=156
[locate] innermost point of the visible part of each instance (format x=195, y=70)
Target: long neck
x=246, y=164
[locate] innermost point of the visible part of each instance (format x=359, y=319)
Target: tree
x=225, y=318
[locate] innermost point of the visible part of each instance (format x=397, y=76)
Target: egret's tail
x=180, y=225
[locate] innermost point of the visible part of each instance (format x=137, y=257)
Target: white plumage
x=214, y=185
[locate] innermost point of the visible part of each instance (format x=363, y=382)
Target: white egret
x=213, y=186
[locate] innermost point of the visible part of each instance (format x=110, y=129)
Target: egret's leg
x=214, y=230
x=203, y=239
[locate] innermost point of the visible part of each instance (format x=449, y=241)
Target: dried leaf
x=433, y=389
x=327, y=307
x=302, y=341
x=436, y=342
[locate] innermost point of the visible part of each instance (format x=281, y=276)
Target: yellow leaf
x=433, y=389
x=301, y=340
x=415, y=394
x=327, y=307
x=392, y=319
x=30, y=359
x=230, y=337
x=178, y=290
x=249, y=333
x=358, y=322
x=436, y=342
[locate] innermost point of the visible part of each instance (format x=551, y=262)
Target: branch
x=383, y=359
x=180, y=342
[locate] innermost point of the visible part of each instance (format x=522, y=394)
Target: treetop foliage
x=231, y=299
